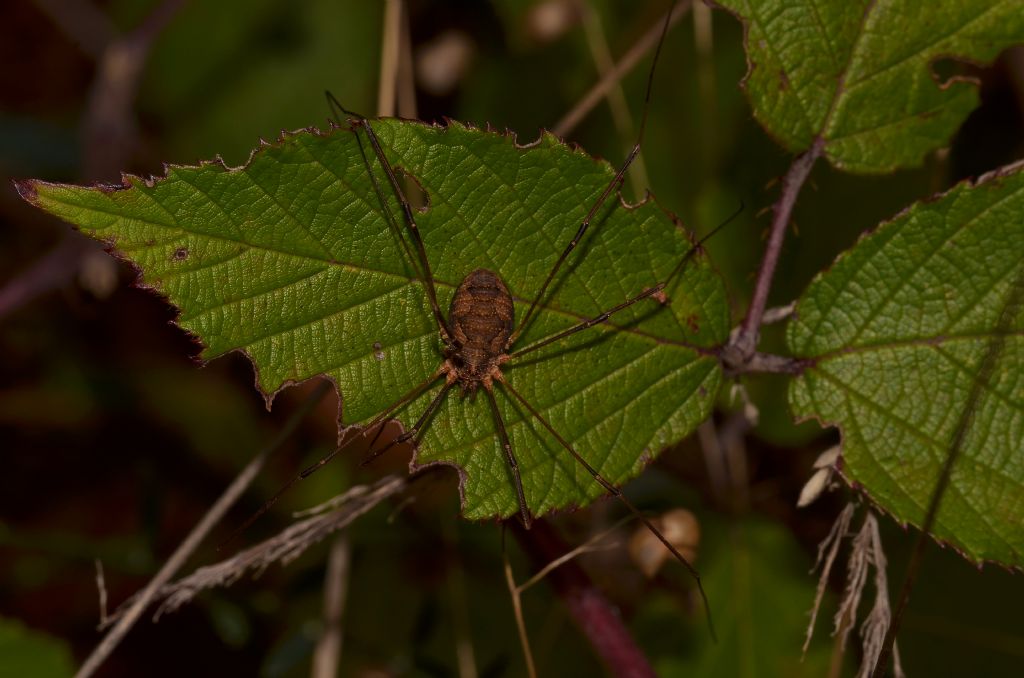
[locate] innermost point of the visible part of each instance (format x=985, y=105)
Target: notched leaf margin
x=993, y=178
x=28, y=190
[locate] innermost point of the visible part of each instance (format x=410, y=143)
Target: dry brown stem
x=282, y=548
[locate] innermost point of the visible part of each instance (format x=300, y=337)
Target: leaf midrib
x=927, y=342
x=703, y=350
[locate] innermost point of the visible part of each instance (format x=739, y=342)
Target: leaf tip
x=26, y=188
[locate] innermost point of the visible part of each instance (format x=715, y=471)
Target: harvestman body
x=482, y=318
x=480, y=331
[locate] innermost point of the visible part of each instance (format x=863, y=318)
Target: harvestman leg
x=337, y=110
x=377, y=421
x=650, y=292
x=618, y=494
x=360, y=121
x=614, y=184
x=414, y=432
x=446, y=332
x=510, y=455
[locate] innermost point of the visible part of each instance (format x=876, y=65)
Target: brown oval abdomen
x=482, y=318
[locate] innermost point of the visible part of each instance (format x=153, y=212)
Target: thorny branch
x=740, y=354
x=129, y=613
x=742, y=349
x=282, y=548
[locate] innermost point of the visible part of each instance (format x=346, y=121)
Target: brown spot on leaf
x=659, y=296
x=693, y=322
x=783, y=81
x=180, y=254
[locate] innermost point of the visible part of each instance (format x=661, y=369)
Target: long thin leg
x=337, y=110
x=524, y=512
x=650, y=292
x=621, y=497
x=410, y=221
x=612, y=186
x=414, y=432
x=427, y=275
x=310, y=470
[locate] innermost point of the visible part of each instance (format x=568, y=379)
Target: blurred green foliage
x=30, y=653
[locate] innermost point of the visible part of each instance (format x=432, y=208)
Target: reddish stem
x=745, y=344
x=597, y=619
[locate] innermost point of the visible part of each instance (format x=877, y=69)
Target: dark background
x=114, y=440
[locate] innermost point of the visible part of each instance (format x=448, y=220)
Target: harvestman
x=480, y=333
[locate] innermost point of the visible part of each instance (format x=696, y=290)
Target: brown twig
x=283, y=547
x=589, y=546
x=703, y=38
x=594, y=615
x=101, y=587
x=406, y=74
x=390, y=55
x=602, y=56
x=743, y=347
x=127, y=618
x=517, y=609
x=516, y=591
x=327, y=655
x=109, y=132
x=608, y=80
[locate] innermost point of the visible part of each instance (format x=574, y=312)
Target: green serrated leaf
x=859, y=75
x=896, y=332
x=290, y=260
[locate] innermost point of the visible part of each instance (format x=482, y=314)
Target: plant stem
x=390, y=53
x=198, y=533
x=742, y=349
x=601, y=53
x=327, y=655
x=609, y=79
x=596, y=618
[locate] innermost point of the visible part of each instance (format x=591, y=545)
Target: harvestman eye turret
x=479, y=333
